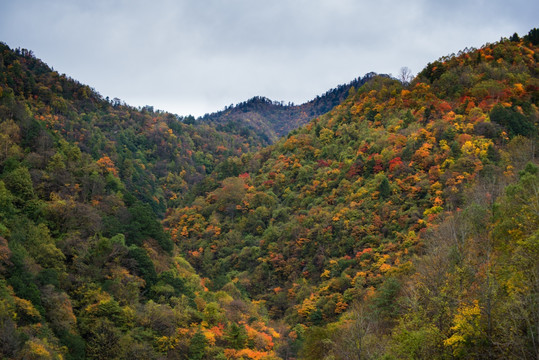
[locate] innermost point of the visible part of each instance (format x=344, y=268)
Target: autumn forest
x=385, y=219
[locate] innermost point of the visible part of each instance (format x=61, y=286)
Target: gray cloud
x=193, y=56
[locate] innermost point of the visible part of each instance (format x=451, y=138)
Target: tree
x=415, y=337
x=384, y=303
x=143, y=224
x=533, y=36
x=517, y=240
x=514, y=121
x=10, y=338
x=405, y=75
x=384, y=188
x=317, y=344
x=20, y=184
x=59, y=310
x=236, y=336
x=103, y=340
x=6, y=202
x=230, y=195
x=326, y=136
x=357, y=339
x=197, y=347
x=144, y=265
x=9, y=138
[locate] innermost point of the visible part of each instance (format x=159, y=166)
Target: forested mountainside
x=383, y=228
x=86, y=269
x=269, y=120
x=156, y=154
x=402, y=224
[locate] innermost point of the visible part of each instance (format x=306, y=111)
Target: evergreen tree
x=197, y=347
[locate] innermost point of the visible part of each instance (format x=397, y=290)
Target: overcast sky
x=196, y=56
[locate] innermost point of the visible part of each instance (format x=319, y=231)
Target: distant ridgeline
x=272, y=119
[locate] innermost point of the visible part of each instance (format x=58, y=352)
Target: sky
x=198, y=56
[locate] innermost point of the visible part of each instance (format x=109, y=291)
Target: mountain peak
x=269, y=119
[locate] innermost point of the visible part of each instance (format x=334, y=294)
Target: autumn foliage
x=401, y=224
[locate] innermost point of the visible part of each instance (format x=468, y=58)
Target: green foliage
x=143, y=225
x=385, y=301
x=21, y=279
x=197, y=346
x=19, y=183
x=7, y=208
x=103, y=340
x=384, y=188
x=75, y=344
x=236, y=336
x=515, y=122
x=144, y=265
x=533, y=36
x=316, y=345
x=382, y=229
x=415, y=339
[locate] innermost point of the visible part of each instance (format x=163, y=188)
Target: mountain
x=157, y=155
x=270, y=120
x=382, y=219
x=86, y=268
x=400, y=224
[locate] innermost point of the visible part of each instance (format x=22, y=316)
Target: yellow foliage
x=247, y=354
x=37, y=350
x=308, y=306
x=26, y=307
x=444, y=146
x=466, y=327
x=340, y=307
x=184, y=232
x=165, y=343
x=210, y=336
x=385, y=268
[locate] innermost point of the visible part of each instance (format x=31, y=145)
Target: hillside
x=86, y=270
x=157, y=155
x=343, y=214
x=270, y=120
x=401, y=224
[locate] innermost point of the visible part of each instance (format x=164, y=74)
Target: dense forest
x=267, y=120
x=87, y=270
x=393, y=220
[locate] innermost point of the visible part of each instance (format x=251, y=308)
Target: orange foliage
x=247, y=353
x=105, y=163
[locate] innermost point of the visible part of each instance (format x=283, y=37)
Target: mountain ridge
x=401, y=224
x=273, y=119
x=340, y=218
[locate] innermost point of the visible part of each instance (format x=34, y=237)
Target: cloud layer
x=193, y=57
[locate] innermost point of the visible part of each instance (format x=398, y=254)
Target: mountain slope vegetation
x=86, y=269
x=269, y=120
x=334, y=216
x=401, y=224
